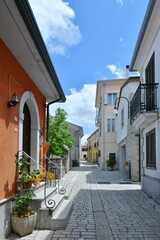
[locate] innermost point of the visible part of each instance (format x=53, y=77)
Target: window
x=110, y=125
x=151, y=149
x=111, y=98
x=113, y=125
x=150, y=79
x=84, y=149
x=122, y=118
x=150, y=75
x=112, y=156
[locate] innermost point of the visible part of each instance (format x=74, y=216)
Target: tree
x=59, y=136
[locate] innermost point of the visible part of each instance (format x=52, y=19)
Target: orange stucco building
x=26, y=72
x=13, y=80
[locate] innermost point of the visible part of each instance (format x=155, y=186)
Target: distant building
x=75, y=152
x=106, y=94
x=93, y=143
x=84, y=150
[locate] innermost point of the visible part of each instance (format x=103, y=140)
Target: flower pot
x=126, y=167
x=23, y=226
x=27, y=185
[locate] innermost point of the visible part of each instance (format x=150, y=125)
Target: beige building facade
x=93, y=143
x=107, y=92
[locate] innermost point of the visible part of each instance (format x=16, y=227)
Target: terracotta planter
x=46, y=146
x=28, y=185
x=23, y=226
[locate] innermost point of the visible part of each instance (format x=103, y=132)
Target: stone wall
x=5, y=223
x=128, y=149
x=63, y=165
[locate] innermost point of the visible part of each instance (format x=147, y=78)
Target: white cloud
x=99, y=75
x=120, y=40
x=56, y=22
x=120, y=1
x=116, y=71
x=80, y=107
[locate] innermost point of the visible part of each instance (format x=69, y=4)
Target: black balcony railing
x=144, y=100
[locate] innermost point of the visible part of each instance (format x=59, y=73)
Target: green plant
x=22, y=207
x=111, y=162
x=23, y=169
x=126, y=162
x=60, y=138
x=47, y=176
x=23, y=166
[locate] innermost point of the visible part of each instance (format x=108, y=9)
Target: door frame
x=29, y=99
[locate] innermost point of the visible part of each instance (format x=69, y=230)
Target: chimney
x=127, y=71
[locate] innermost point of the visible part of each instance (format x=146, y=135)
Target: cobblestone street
x=105, y=208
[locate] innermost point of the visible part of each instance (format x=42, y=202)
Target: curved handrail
x=61, y=190
x=50, y=203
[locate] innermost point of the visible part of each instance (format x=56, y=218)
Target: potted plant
x=110, y=163
x=35, y=177
x=50, y=176
x=27, y=178
x=126, y=164
x=23, y=218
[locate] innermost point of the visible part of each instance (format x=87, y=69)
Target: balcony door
x=150, y=80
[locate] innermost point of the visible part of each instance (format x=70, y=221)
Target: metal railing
x=144, y=100
x=54, y=169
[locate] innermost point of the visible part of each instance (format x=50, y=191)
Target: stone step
x=35, y=235
x=56, y=199
x=39, y=188
x=61, y=216
x=57, y=217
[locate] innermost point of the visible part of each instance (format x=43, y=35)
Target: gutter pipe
x=47, y=128
x=47, y=106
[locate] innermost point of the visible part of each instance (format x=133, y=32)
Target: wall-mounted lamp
x=14, y=101
x=115, y=105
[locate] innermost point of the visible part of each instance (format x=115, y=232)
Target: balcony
x=143, y=106
x=97, y=121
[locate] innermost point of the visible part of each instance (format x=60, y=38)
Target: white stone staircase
x=55, y=218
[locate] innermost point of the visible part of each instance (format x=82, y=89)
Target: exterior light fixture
x=14, y=101
x=115, y=105
x=115, y=111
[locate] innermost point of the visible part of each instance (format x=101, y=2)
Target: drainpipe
x=47, y=128
x=139, y=143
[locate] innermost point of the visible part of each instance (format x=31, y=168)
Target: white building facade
x=145, y=113
x=127, y=135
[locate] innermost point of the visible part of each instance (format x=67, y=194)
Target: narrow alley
x=105, y=208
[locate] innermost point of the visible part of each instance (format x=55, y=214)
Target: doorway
x=29, y=128
x=26, y=130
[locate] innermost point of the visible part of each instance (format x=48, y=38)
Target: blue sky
x=88, y=40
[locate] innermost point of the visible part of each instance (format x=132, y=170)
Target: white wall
x=150, y=45
x=128, y=92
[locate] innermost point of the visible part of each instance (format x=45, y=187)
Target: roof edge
x=31, y=24
x=142, y=31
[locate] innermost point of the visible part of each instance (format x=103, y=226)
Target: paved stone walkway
x=106, y=208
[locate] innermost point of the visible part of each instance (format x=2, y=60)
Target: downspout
x=47, y=128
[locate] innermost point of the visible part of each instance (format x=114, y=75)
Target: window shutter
x=105, y=98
